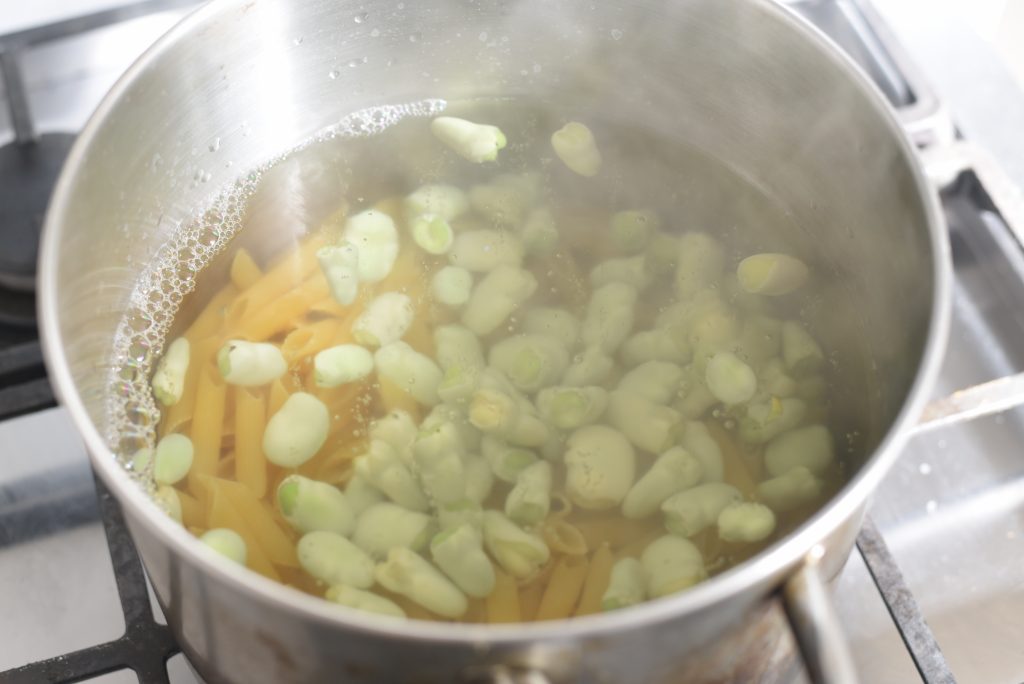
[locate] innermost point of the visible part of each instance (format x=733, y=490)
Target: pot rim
x=774, y=561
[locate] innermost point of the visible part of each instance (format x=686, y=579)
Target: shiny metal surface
x=258, y=82
x=950, y=508
x=818, y=631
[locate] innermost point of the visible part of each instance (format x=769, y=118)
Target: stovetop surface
x=950, y=510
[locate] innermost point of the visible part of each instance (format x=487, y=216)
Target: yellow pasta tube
x=226, y=465
x=295, y=267
x=211, y=318
x=529, y=601
x=309, y=339
x=223, y=514
x=192, y=512
x=279, y=394
x=737, y=470
x=563, y=589
x=244, y=270
x=250, y=421
x=181, y=413
x=329, y=307
x=207, y=421
x=260, y=323
x=272, y=538
x=563, y=537
x=598, y=575
x=503, y=601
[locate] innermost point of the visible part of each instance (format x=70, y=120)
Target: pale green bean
x=674, y=471
x=459, y=553
x=169, y=378
x=693, y=510
x=495, y=297
x=671, y=564
x=227, y=543
x=365, y=601
x=382, y=467
x=530, y=362
x=297, y=431
x=574, y=144
x=529, y=500
x=476, y=142
x=795, y=488
x=333, y=559
x=810, y=447
x=626, y=586
x=519, y=553
x=172, y=459
x=568, y=408
x=385, y=320
x=771, y=274
x=374, y=234
x=250, y=364
x=412, y=576
x=340, y=266
x=600, y=467
x=414, y=372
x=309, y=506
x=745, y=522
x=340, y=365
x=452, y=286
x=386, y=526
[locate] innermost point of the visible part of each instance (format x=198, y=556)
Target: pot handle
x=944, y=165
x=815, y=624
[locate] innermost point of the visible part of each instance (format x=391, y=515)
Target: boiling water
x=386, y=153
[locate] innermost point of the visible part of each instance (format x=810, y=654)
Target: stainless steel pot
x=747, y=81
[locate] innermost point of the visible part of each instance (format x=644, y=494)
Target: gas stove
x=935, y=588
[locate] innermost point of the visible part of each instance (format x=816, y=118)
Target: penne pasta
x=309, y=339
x=294, y=268
x=207, y=421
x=278, y=395
x=563, y=537
x=503, y=601
x=563, y=588
x=244, y=270
x=211, y=319
x=737, y=471
x=250, y=421
x=259, y=324
x=529, y=600
x=598, y=574
x=223, y=514
x=192, y=512
x=272, y=537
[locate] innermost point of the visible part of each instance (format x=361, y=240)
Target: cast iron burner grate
x=145, y=646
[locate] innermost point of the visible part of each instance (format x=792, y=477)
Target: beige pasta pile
x=469, y=404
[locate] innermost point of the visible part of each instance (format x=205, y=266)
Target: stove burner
x=28, y=172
